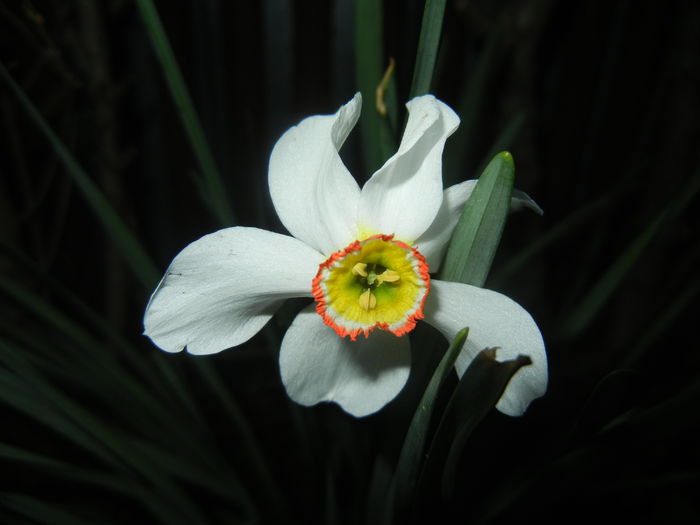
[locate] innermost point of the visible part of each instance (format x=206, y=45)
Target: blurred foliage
x=596, y=101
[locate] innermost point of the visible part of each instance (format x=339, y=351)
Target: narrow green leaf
x=672, y=416
x=331, y=499
x=39, y=510
x=25, y=398
x=478, y=232
x=212, y=184
x=77, y=328
x=369, y=66
x=66, y=470
x=589, y=307
x=412, y=451
x=95, y=364
x=459, y=160
x=505, y=139
x=46, y=313
x=599, y=294
x=668, y=314
x=477, y=393
x=548, y=238
x=27, y=391
x=379, y=500
x=129, y=247
x=249, y=443
x=86, y=314
x=428, y=43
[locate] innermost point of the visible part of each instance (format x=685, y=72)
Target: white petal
x=404, y=196
x=433, y=242
x=314, y=194
x=494, y=320
x=222, y=289
x=361, y=376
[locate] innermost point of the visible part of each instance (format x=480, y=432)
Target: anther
x=360, y=269
x=388, y=276
x=367, y=300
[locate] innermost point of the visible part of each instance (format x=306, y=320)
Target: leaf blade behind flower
x=414, y=444
x=478, y=232
x=428, y=44
x=378, y=143
x=477, y=393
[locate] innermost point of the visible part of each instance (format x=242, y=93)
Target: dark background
x=597, y=102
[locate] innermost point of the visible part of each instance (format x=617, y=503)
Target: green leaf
x=505, y=139
x=413, y=448
x=25, y=389
x=566, y=227
x=39, y=510
x=379, y=500
x=478, y=232
x=88, y=364
x=212, y=185
x=248, y=442
x=461, y=158
x=591, y=305
x=129, y=247
x=377, y=143
x=428, y=43
x=67, y=470
x=651, y=335
x=477, y=393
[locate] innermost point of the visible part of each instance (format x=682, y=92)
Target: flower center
x=375, y=283
x=370, y=279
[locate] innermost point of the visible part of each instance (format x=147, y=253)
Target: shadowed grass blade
x=249, y=442
x=548, y=238
x=67, y=470
x=212, y=185
x=129, y=247
x=413, y=448
x=38, y=510
x=589, y=307
x=28, y=391
x=504, y=141
x=670, y=312
x=477, y=393
x=460, y=159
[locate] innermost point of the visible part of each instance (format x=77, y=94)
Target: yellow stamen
x=367, y=300
x=388, y=276
x=360, y=269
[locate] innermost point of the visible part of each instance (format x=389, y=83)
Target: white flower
x=363, y=254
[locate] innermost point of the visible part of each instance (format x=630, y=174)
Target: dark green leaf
x=413, y=449
x=212, y=184
x=428, y=44
x=477, y=393
x=129, y=247
x=39, y=511
x=377, y=142
x=478, y=232
x=589, y=307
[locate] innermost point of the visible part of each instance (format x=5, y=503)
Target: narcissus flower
x=363, y=254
